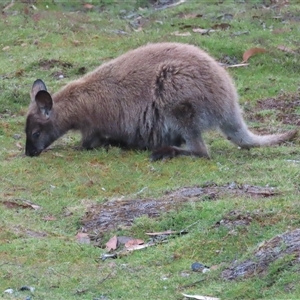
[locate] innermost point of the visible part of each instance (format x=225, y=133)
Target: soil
x=276, y=248
x=121, y=213
x=286, y=109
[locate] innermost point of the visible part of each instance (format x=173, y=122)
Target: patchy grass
x=58, y=42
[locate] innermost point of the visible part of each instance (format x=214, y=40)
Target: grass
x=64, y=182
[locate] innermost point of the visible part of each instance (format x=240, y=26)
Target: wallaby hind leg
x=195, y=146
x=184, y=117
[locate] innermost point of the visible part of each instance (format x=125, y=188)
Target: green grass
x=45, y=254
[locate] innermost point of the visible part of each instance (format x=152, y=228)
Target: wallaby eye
x=36, y=134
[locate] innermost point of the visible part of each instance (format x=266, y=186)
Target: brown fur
x=155, y=97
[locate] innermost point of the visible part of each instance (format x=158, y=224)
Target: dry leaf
x=222, y=26
x=76, y=42
x=83, y=238
x=251, y=52
x=139, y=247
x=112, y=243
x=19, y=146
x=36, y=17
x=192, y=16
x=122, y=240
x=134, y=242
x=49, y=218
x=280, y=30
x=200, y=297
x=5, y=48
x=88, y=6
x=21, y=204
x=286, y=49
x=177, y=33
x=11, y=204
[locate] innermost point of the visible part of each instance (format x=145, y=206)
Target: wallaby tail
x=239, y=134
x=253, y=140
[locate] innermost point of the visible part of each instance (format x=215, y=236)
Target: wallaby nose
x=31, y=151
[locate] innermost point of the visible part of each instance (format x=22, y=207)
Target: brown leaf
x=280, y=30
x=11, y=204
x=76, y=42
x=112, y=243
x=134, y=242
x=49, y=218
x=222, y=26
x=20, y=204
x=251, y=52
x=191, y=16
x=36, y=17
x=88, y=6
x=83, y=238
x=286, y=49
x=185, y=26
x=26, y=10
x=122, y=240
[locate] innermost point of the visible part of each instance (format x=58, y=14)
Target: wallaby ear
x=44, y=102
x=37, y=86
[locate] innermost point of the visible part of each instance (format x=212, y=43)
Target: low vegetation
x=233, y=206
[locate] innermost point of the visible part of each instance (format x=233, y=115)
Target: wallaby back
x=155, y=97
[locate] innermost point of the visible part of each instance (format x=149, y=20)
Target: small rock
x=9, y=291
x=185, y=274
x=27, y=288
x=17, y=136
x=198, y=267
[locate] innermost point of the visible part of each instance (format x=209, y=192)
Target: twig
x=59, y=273
x=185, y=229
x=105, y=278
x=192, y=284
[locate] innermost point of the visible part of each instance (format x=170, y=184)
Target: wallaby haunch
x=156, y=97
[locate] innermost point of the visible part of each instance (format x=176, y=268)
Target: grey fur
x=156, y=97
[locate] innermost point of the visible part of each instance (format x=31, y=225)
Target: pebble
x=198, y=267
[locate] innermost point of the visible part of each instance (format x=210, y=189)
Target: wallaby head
x=155, y=97
x=39, y=128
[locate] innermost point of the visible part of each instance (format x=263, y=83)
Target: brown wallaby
x=155, y=97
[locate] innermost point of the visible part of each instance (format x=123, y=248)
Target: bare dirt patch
x=268, y=252
x=237, y=218
x=121, y=213
x=46, y=64
x=285, y=107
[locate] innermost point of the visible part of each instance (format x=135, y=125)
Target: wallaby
x=155, y=97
